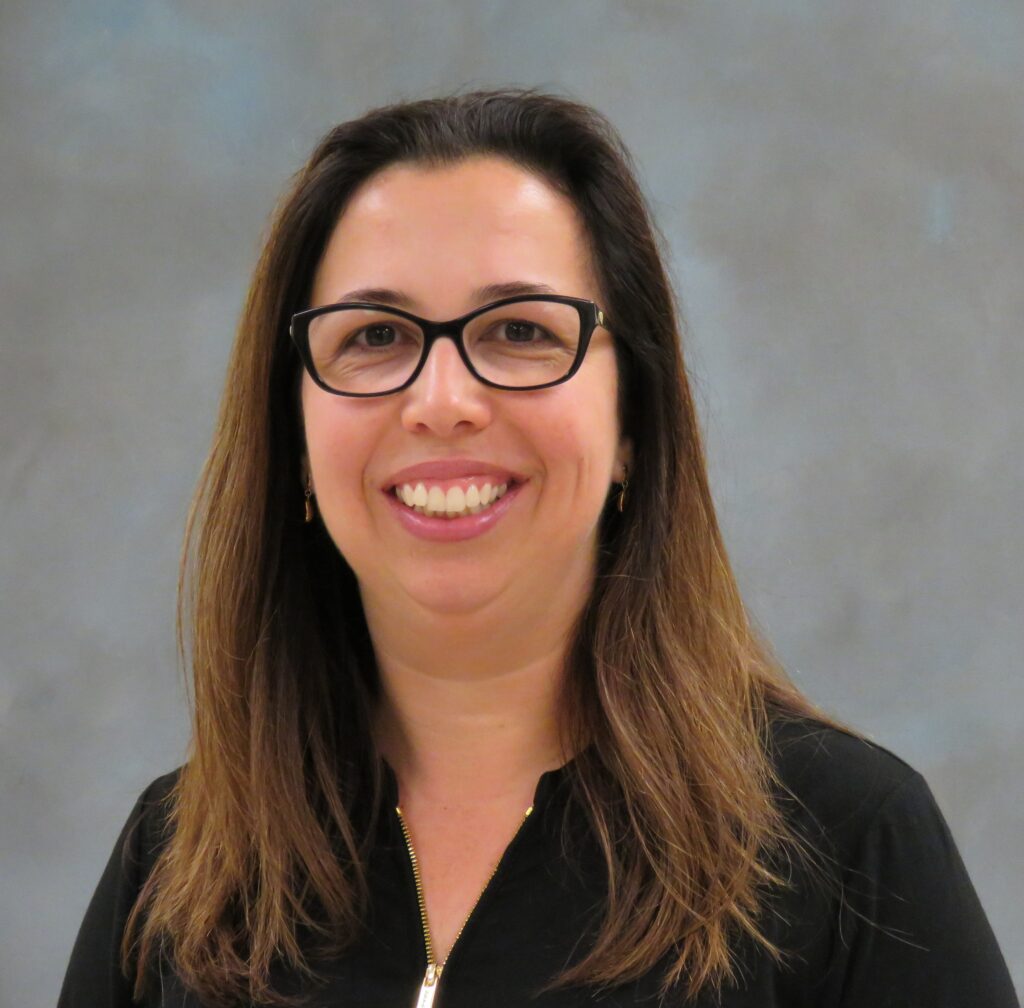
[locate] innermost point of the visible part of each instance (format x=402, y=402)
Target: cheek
x=587, y=428
x=337, y=447
x=579, y=449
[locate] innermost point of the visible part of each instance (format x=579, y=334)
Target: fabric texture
x=887, y=919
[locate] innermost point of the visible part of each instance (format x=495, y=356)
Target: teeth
x=435, y=501
x=456, y=503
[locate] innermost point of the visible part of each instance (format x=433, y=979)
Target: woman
x=457, y=599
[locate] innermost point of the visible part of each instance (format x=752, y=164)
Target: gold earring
x=622, y=489
x=309, y=498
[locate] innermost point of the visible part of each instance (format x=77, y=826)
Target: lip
x=452, y=468
x=453, y=529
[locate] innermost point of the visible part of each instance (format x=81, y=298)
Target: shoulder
x=148, y=827
x=904, y=924
x=159, y=793
x=94, y=974
x=837, y=783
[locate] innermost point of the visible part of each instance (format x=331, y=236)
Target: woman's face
x=436, y=236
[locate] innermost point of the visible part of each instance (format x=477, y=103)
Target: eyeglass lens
x=365, y=351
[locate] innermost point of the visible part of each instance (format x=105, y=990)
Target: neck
x=469, y=702
x=453, y=742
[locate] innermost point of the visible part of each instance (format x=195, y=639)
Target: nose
x=445, y=398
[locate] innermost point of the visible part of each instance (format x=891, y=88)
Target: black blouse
x=891, y=922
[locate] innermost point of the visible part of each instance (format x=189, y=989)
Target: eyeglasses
x=518, y=343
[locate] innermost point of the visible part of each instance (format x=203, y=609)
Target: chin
x=450, y=596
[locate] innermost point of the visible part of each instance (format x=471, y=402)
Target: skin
x=469, y=636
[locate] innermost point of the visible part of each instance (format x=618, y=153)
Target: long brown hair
x=669, y=689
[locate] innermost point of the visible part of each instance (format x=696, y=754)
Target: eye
x=381, y=334
x=519, y=331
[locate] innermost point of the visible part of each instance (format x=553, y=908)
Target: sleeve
x=912, y=931
x=94, y=978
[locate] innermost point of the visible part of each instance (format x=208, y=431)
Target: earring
x=622, y=489
x=309, y=499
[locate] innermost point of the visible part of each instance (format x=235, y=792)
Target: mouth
x=452, y=499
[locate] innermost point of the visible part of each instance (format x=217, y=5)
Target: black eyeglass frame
x=590, y=318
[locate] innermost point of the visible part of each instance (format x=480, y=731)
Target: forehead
x=438, y=233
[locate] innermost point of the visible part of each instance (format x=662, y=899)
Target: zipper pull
x=428, y=989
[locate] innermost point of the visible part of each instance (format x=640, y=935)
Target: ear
x=623, y=458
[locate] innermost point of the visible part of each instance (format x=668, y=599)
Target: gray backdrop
x=841, y=187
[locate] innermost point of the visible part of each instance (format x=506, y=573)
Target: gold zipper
x=428, y=988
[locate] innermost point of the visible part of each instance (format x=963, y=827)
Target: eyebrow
x=489, y=292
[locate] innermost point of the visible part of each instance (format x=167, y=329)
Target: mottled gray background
x=841, y=186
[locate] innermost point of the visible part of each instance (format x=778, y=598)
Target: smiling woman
x=546, y=448
x=480, y=719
